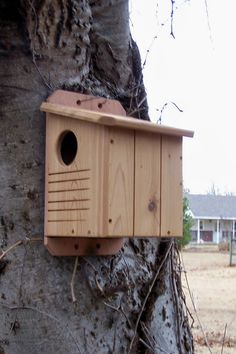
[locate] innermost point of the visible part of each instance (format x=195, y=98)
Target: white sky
x=197, y=71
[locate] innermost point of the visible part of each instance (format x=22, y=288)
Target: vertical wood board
x=147, y=184
x=118, y=202
x=171, y=187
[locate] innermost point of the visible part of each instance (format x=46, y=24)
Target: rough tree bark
x=128, y=303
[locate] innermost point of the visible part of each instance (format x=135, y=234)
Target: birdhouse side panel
x=73, y=201
x=119, y=182
x=171, y=187
x=147, y=184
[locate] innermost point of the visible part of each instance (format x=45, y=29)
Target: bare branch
x=72, y=283
x=90, y=264
x=172, y=18
x=159, y=121
x=148, y=52
x=194, y=307
x=208, y=21
x=48, y=85
x=175, y=298
x=18, y=243
x=99, y=286
x=147, y=345
x=223, y=342
x=148, y=294
x=120, y=310
x=151, y=340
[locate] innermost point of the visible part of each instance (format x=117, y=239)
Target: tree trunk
x=128, y=303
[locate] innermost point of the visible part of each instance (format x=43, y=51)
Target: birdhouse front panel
x=74, y=171
x=89, y=179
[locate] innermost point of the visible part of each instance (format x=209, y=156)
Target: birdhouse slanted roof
x=113, y=120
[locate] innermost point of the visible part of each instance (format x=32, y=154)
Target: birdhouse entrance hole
x=68, y=147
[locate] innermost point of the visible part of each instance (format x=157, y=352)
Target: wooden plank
x=118, y=189
x=113, y=120
x=147, y=185
x=171, y=187
x=73, y=203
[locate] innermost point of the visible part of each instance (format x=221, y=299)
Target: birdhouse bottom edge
x=83, y=246
x=86, y=246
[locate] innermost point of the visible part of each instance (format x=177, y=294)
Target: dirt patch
x=213, y=287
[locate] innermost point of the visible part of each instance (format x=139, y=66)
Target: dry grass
x=213, y=286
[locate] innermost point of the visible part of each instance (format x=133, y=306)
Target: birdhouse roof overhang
x=113, y=120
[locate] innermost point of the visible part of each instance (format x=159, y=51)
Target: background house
x=214, y=217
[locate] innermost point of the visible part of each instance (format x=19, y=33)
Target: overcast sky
x=196, y=71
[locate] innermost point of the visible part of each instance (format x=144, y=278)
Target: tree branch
x=148, y=294
x=18, y=243
x=72, y=283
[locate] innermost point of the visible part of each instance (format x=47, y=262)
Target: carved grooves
x=68, y=195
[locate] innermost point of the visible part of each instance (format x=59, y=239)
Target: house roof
x=212, y=206
x=109, y=119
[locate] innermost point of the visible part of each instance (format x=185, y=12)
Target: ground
x=212, y=284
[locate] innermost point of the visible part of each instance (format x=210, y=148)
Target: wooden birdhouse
x=108, y=176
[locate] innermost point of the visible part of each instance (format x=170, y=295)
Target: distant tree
x=229, y=194
x=213, y=190
x=187, y=224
